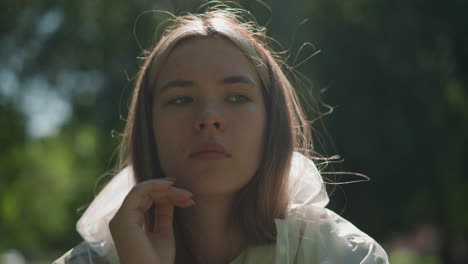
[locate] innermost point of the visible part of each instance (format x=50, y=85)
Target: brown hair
x=265, y=197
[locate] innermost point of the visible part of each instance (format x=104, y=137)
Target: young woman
x=212, y=170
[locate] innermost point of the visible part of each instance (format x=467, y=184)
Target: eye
x=239, y=98
x=180, y=100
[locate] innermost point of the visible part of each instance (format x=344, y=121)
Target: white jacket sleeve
x=88, y=253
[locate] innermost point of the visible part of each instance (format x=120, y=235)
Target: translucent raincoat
x=310, y=233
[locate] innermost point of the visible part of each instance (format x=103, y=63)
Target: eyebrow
x=175, y=83
x=228, y=80
x=238, y=79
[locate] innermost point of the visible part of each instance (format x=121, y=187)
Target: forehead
x=206, y=58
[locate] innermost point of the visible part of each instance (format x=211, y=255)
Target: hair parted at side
x=265, y=197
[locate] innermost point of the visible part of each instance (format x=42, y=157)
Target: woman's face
x=209, y=117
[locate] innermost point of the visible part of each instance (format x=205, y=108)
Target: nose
x=209, y=119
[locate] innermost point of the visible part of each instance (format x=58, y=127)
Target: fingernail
x=189, y=203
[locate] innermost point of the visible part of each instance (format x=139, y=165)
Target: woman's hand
x=133, y=240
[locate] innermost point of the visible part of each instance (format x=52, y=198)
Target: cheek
x=171, y=126
x=251, y=123
x=170, y=133
x=249, y=133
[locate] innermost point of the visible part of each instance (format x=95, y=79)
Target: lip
x=210, y=150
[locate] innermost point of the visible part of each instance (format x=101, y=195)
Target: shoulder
x=314, y=234
x=88, y=253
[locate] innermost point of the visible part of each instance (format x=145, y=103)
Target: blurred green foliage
x=408, y=257
x=396, y=72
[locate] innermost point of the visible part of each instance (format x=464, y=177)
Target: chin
x=213, y=184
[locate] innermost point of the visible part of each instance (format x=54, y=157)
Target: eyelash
x=173, y=101
x=243, y=100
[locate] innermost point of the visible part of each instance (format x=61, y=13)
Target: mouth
x=209, y=150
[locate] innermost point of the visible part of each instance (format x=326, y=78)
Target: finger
x=164, y=217
x=142, y=196
x=163, y=225
x=171, y=195
x=138, y=197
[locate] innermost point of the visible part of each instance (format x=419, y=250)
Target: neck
x=208, y=230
